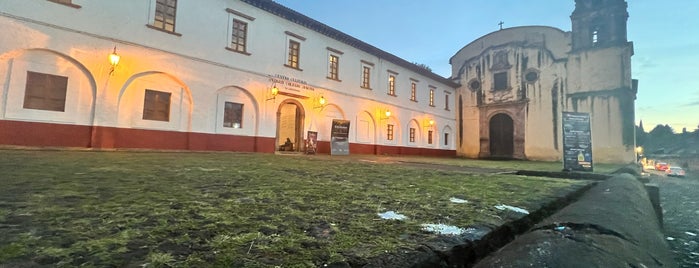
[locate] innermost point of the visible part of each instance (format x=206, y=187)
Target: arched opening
x=501, y=136
x=290, y=118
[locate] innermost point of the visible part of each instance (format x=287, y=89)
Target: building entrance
x=290, y=117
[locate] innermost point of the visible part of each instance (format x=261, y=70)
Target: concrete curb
x=614, y=224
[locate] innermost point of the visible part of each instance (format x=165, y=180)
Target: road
x=680, y=202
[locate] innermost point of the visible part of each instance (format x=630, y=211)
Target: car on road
x=675, y=172
x=661, y=166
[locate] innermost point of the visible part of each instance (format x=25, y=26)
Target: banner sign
x=339, y=137
x=311, y=142
x=577, y=142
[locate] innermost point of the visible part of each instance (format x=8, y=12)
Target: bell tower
x=599, y=23
x=599, y=77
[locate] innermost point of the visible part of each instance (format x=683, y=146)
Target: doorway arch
x=290, y=119
x=501, y=136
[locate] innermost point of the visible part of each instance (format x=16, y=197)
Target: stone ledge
x=614, y=224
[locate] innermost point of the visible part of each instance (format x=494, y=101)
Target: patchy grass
x=77, y=208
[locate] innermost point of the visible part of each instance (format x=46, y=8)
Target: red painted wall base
x=59, y=135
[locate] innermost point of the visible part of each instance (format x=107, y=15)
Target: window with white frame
x=164, y=16
x=392, y=84
x=367, y=69
x=429, y=136
x=413, y=90
x=446, y=100
x=334, y=67
x=389, y=132
x=238, y=25
x=233, y=115
x=412, y=134
x=432, y=96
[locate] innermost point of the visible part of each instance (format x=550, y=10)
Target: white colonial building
x=253, y=75
x=239, y=75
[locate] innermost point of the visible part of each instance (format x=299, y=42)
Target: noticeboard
x=339, y=137
x=577, y=142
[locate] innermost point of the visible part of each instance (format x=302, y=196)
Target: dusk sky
x=665, y=36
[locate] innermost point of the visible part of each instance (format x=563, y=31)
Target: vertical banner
x=577, y=142
x=311, y=142
x=339, y=137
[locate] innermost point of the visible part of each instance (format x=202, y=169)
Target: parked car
x=662, y=166
x=675, y=172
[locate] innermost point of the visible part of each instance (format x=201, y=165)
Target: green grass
x=169, y=209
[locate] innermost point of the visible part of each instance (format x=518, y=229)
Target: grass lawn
x=169, y=209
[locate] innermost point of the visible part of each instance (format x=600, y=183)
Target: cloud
x=694, y=103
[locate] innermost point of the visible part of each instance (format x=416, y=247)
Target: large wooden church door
x=501, y=136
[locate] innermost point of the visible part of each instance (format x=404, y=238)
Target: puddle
x=515, y=209
x=392, y=215
x=470, y=233
x=458, y=200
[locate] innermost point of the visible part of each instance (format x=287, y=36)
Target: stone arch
x=290, y=124
x=413, y=124
x=397, y=131
x=448, y=135
x=324, y=120
x=239, y=94
x=129, y=98
x=365, y=130
x=15, y=64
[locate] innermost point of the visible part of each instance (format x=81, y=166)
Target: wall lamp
x=273, y=92
x=320, y=103
x=113, y=60
x=386, y=114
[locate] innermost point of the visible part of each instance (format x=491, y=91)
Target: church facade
x=517, y=82
x=255, y=76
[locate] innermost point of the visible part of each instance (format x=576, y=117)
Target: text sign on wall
x=577, y=142
x=339, y=137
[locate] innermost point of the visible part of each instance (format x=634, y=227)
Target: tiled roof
x=303, y=20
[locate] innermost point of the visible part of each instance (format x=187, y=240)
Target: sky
x=665, y=35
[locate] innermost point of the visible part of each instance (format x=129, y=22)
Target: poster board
x=339, y=137
x=311, y=142
x=577, y=142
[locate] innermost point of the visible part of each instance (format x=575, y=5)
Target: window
x=165, y=12
x=413, y=91
x=156, y=105
x=233, y=115
x=389, y=132
x=294, y=52
x=446, y=102
x=334, y=67
x=432, y=97
x=391, y=85
x=500, y=81
x=65, y=2
x=595, y=35
x=446, y=139
x=239, y=36
x=412, y=134
x=45, y=92
x=429, y=137
x=366, y=77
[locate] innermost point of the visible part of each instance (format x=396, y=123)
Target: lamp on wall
x=428, y=123
x=320, y=102
x=386, y=114
x=273, y=92
x=113, y=60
